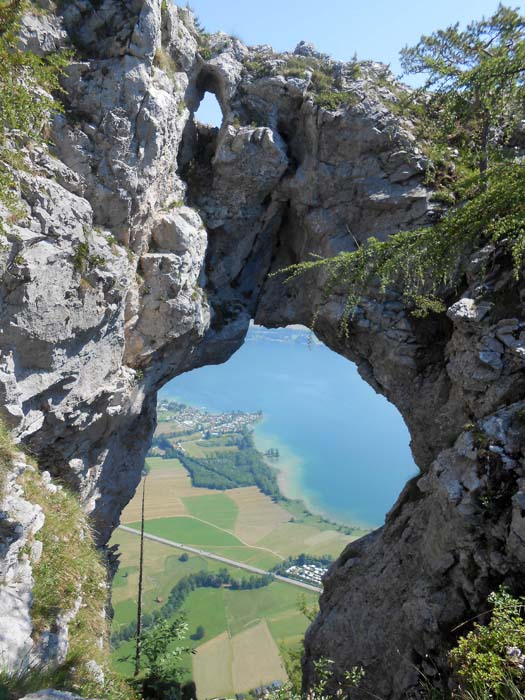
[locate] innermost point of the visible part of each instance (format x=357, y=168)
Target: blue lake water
x=344, y=449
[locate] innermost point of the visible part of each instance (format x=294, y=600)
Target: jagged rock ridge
x=145, y=251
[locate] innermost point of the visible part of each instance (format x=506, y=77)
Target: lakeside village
x=198, y=420
x=211, y=425
x=189, y=420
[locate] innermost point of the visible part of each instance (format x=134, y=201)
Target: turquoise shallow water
x=344, y=449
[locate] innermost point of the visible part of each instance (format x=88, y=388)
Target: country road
x=217, y=557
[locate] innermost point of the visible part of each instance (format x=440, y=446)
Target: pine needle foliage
x=421, y=264
x=475, y=84
x=471, y=104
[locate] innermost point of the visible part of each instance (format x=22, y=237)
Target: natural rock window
x=209, y=111
x=316, y=411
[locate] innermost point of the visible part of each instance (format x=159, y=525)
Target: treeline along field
x=181, y=590
x=226, y=470
x=209, y=487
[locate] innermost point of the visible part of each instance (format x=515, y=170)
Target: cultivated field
x=189, y=531
x=206, y=607
x=245, y=608
x=250, y=516
x=243, y=628
x=162, y=568
x=260, y=558
x=212, y=668
x=218, y=509
x=255, y=648
x=226, y=665
x=166, y=486
x=295, y=538
x=220, y=611
x=258, y=514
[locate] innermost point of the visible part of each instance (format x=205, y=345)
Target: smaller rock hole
x=209, y=111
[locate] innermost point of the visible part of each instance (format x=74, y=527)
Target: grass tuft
x=7, y=451
x=61, y=576
x=165, y=62
x=70, y=569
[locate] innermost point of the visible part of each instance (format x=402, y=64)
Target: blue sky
x=374, y=29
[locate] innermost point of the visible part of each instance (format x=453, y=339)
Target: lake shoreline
x=345, y=450
x=289, y=468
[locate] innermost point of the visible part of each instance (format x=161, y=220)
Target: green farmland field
x=188, y=531
x=243, y=629
x=217, y=509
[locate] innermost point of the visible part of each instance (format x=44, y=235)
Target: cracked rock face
x=22, y=645
x=144, y=251
x=20, y=520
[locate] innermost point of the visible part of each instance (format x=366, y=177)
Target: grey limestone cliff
x=145, y=250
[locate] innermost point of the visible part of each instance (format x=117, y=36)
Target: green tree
x=161, y=658
x=198, y=634
x=476, y=79
x=423, y=262
x=489, y=660
x=473, y=99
